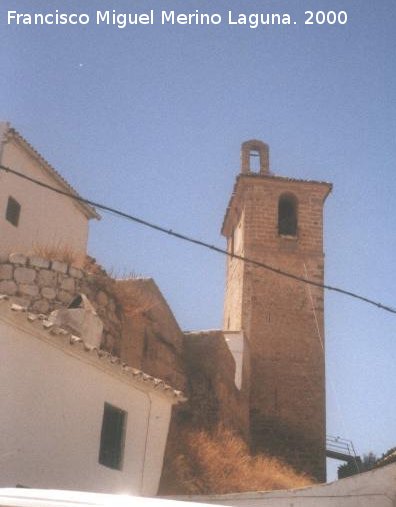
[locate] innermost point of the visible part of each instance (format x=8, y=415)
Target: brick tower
x=278, y=221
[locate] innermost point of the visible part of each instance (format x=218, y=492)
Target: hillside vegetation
x=202, y=462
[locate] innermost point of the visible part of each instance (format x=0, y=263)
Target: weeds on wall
x=136, y=298
x=59, y=252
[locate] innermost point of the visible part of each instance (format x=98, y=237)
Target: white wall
x=376, y=488
x=236, y=343
x=52, y=399
x=46, y=218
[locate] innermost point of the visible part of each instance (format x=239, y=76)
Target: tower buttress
x=279, y=222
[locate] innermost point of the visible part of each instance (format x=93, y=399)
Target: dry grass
x=136, y=296
x=220, y=462
x=58, y=252
x=124, y=274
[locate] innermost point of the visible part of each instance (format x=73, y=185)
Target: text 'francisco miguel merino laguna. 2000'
x=122, y=20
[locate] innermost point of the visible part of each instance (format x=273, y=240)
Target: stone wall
x=151, y=337
x=213, y=402
x=43, y=285
x=139, y=326
x=213, y=397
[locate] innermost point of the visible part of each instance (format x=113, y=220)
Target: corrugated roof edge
x=89, y=211
x=42, y=324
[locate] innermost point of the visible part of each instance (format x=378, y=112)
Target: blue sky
x=150, y=119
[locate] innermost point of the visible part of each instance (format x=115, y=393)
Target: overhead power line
x=195, y=241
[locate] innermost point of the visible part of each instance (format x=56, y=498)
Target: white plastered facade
x=47, y=220
x=52, y=399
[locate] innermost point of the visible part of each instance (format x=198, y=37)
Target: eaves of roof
x=88, y=210
x=39, y=326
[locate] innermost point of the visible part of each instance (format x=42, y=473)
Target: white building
x=31, y=217
x=73, y=417
x=375, y=488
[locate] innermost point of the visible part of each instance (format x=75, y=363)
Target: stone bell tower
x=278, y=221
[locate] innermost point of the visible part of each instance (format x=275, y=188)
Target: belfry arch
x=254, y=148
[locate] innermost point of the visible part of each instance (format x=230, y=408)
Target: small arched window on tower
x=287, y=215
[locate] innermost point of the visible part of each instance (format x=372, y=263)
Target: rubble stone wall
x=43, y=285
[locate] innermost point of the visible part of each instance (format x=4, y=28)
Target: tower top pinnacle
x=254, y=148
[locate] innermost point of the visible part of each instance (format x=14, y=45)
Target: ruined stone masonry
x=42, y=286
x=273, y=331
x=263, y=374
x=138, y=325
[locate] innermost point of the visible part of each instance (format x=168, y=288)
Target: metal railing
x=342, y=449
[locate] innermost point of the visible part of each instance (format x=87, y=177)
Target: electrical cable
x=195, y=241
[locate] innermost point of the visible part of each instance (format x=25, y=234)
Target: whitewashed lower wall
x=51, y=416
x=376, y=488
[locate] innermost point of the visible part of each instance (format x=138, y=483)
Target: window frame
x=112, y=440
x=13, y=211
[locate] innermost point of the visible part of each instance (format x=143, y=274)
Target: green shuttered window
x=112, y=437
